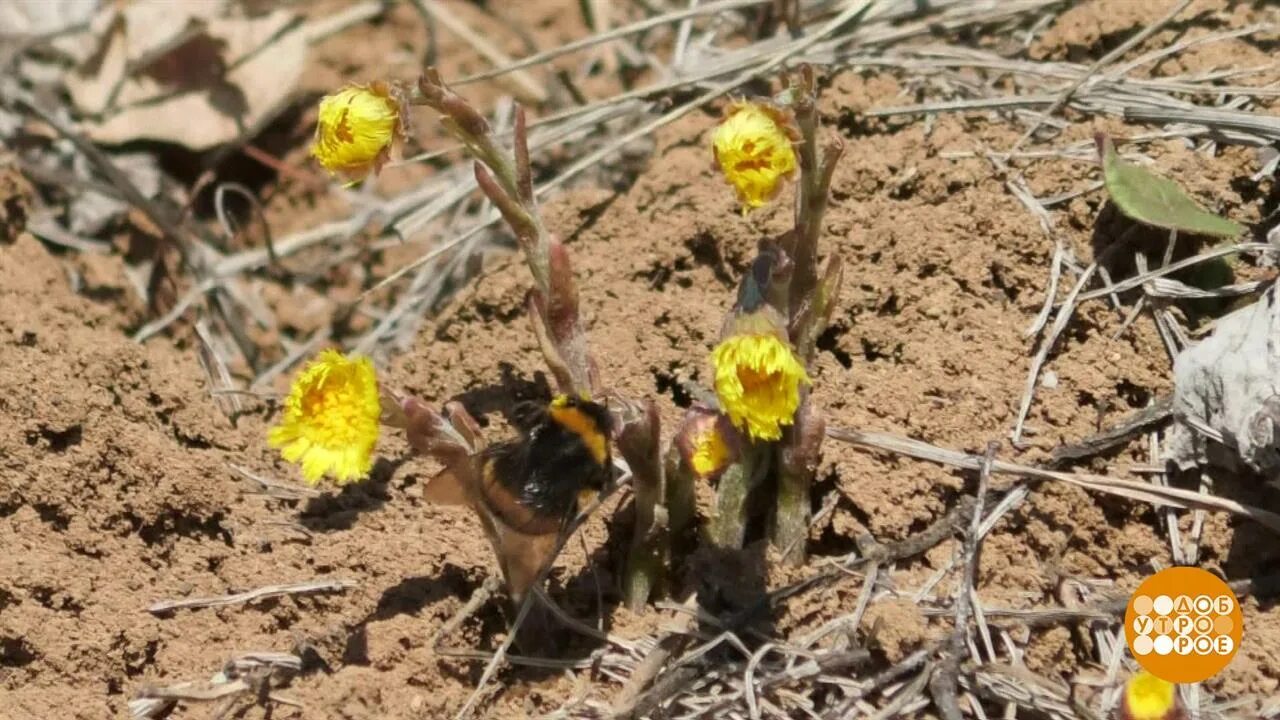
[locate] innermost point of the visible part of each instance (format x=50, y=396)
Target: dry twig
x=249, y=596
x=1130, y=489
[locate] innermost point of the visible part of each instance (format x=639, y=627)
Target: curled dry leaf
x=174, y=73
x=43, y=17
x=1227, y=385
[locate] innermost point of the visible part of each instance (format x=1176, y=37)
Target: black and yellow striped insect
x=528, y=490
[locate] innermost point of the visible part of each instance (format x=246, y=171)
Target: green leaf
x=1151, y=199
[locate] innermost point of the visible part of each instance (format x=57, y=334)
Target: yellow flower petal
x=758, y=383
x=710, y=452
x=754, y=152
x=1147, y=697
x=330, y=421
x=356, y=129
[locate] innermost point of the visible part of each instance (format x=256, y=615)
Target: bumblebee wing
x=527, y=415
x=524, y=556
x=448, y=487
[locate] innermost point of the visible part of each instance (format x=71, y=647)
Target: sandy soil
x=116, y=480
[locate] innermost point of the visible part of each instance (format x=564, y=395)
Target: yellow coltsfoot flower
x=356, y=129
x=758, y=382
x=710, y=453
x=1147, y=697
x=330, y=422
x=753, y=148
x=707, y=443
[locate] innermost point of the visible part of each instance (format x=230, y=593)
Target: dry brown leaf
x=192, y=79
x=43, y=17
x=120, y=39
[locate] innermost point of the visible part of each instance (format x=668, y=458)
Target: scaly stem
x=650, y=548
x=728, y=525
x=809, y=308
x=681, y=501
x=641, y=445
x=506, y=178
x=791, y=516
x=814, y=314
x=797, y=464
x=815, y=187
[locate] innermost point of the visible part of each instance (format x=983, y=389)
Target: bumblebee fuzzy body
x=527, y=490
x=533, y=484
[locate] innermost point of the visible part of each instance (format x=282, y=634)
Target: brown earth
x=117, y=489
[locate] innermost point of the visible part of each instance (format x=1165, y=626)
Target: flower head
x=1147, y=697
x=710, y=453
x=753, y=149
x=758, y=382
x=330, y=422
x=707, y=442
x=356, y=129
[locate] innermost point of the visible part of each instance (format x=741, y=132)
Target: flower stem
x=506, y=178
x=797, y=464
x=817, y=167
x=681, y=501
x=728, y=525
x=641, y=444
x=791, y=516
x=646, y=560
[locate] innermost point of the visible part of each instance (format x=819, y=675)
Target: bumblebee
x=528, y=490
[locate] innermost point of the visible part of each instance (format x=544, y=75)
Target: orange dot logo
x=1183, y=625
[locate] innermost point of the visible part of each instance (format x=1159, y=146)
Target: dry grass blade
x=614, y=34
x=431, y=255
x=178, y=310
x=1132, y=426
x=577, y=625
x=248, y=596
x=522, y=83
x=1142, y=492
x=497, y=658
x=1021, y=687
x=272, y=487
x=1046, y=346
x=1006, y=102
x=850, y=14
x=1142, y=278
x=1051, y=292
x=1184, y=45
x=195, y=691
x=1124, y=47
x=1254, y=123
x=246, y=676
x=943, y=683
x=904, y=697
x=1142, y=99
x=884, y=678
x=323, y=27
x=673, y=643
